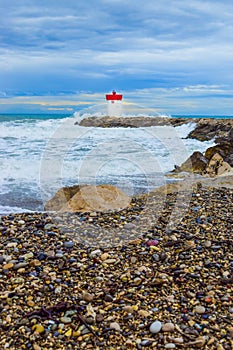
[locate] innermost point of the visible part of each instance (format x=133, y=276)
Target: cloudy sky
x=174, y=56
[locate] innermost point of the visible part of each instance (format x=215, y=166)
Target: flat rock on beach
x=59, y=291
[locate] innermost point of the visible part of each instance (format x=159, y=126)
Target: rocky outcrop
x=208, y=129
x=88, y=198
x=212, y=163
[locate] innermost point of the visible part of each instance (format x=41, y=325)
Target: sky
x=171, y=56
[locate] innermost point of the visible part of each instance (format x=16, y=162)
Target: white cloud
x=74, y=45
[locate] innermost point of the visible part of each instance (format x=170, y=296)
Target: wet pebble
x=69, y=244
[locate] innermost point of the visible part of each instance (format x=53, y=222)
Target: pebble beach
x=167, y=286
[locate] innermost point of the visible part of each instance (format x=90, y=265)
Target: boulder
x=97, y=198
x=229, y=159
x=214, y=163
x=224, y=169
x=217, y=166
x=196, y=163
x=61, y=198
x=224, y=149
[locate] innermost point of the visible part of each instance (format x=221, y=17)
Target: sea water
x=41, y=153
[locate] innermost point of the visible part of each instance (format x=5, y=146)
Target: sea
x=40, y=153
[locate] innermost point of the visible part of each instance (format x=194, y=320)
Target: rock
x=104, y=256
x=8, y=266
x=116, y=326
x=128, y=309
x=178, y=340
x=68, y=244
x=200, y=309
x=96, y=252
x=143, y=313
x=61, y=198
x=87, y=296
x=168, y=327
x=224, y=168
x=21, y=222
x=170, y=346
x=66, y=320
x=155, y=327
x=208, y=129
x=20, y=265
x=214, y=163
x=97, y=198
x=38, y=328
x=223, y=149
x=196, y=163
x=28, y=256
x=152, y=242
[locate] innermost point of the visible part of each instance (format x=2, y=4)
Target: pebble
x=168, y=327
x=152, y=242
x=20, y=265
x=155, y=327
x=200, y=309
x=21, y=222
x=104, y=256
x=96, y=252
x=170, y=346
x=69, y=244
x=116, y=326
x=65, y=319
x=8, y=266
x=87, y=296
x=38, y=328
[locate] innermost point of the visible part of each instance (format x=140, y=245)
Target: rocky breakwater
x=167, y=289
x=133, y=122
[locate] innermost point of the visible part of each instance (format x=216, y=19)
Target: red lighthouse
x=114, y=103
x=113, y=97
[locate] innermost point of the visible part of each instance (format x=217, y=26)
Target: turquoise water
x=28, y=117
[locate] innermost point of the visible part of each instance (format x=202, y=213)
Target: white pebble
x=155, y=327
x=170, y=346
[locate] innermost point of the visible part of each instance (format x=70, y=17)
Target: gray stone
x=20, y=265
x=65, y=319
x=155, y=327
x=69, y=244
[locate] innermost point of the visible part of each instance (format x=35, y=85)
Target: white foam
x=55, y=152
x=6, y=210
